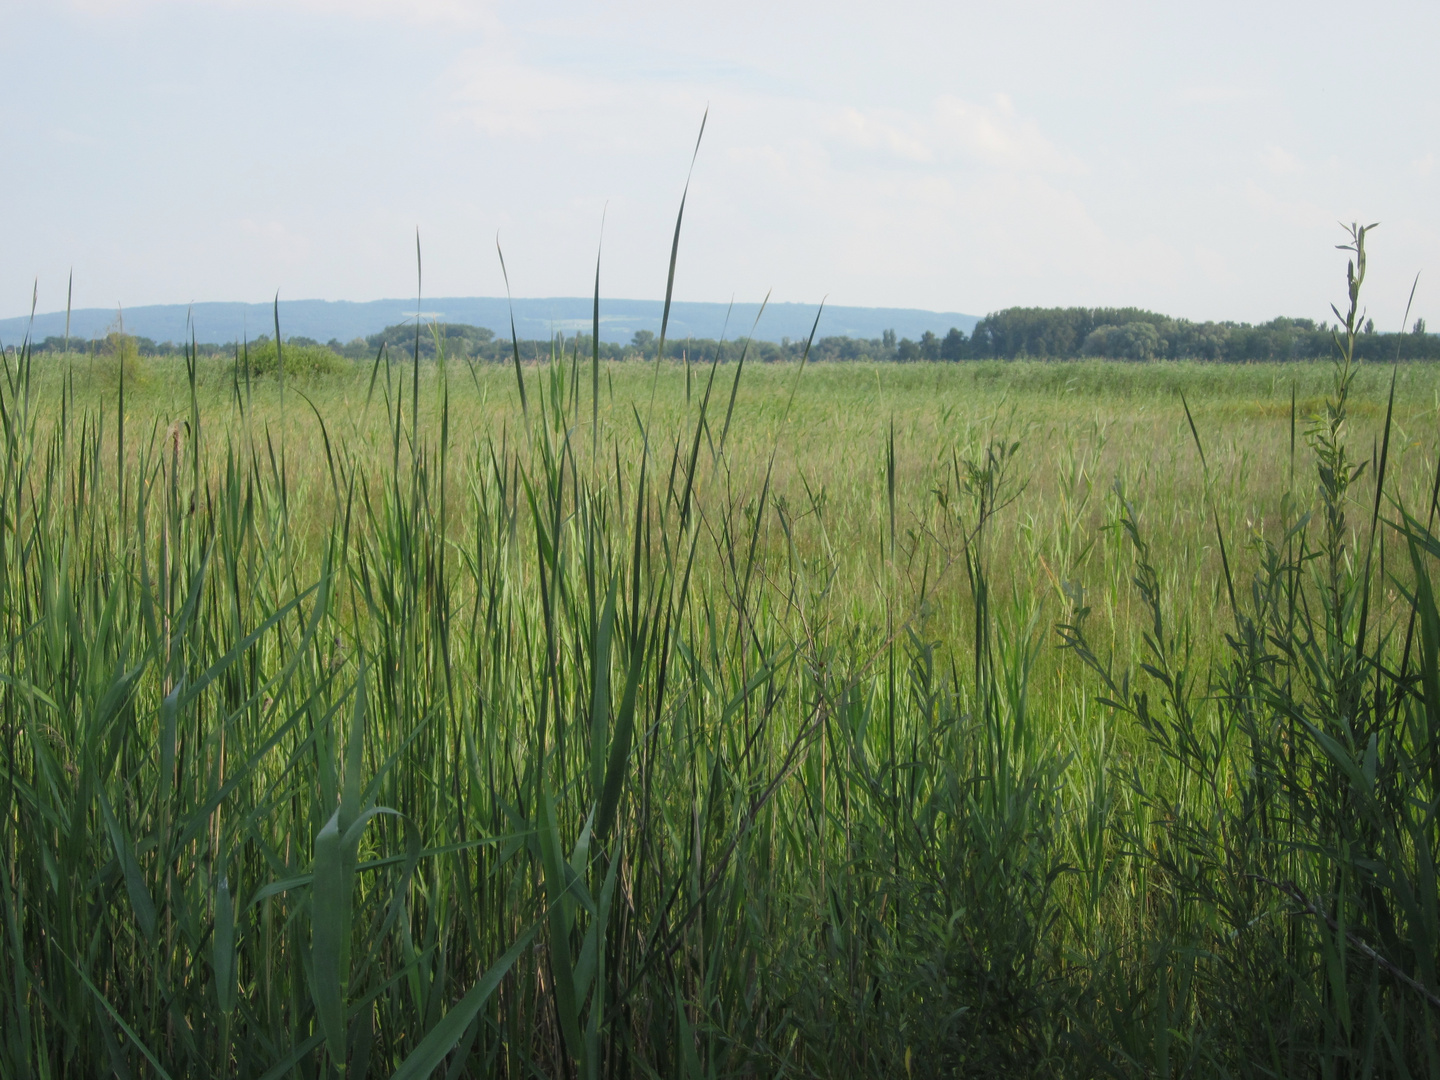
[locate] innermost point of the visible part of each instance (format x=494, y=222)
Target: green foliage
x=300, y=356
x=1133, y=341
x=116, y=357
x=1134, y=334
x=457, y=340
x=1305, y=784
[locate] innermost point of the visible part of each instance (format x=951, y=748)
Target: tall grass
x=391, y=723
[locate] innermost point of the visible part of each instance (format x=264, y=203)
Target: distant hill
x=324, y=320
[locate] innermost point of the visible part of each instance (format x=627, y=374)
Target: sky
x=1193, y=159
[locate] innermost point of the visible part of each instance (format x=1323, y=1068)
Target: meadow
x=590, y=719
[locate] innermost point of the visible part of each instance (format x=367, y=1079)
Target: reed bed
x=596, y=720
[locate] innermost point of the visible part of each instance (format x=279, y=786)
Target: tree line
x=1136, y=334
x=1012, y=334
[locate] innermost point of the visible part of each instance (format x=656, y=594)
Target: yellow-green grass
x=1081, y=428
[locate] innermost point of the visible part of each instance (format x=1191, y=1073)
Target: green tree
x=929, y=346
x=1133, y=341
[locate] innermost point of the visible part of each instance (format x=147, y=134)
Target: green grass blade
x=439, y=1040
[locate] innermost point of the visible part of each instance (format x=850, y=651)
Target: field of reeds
x=587, y=719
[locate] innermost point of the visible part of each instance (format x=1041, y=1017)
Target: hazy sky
x=1191, y=158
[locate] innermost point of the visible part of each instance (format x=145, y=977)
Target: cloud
x=951, y=131
x=500, y=93
x=944, y=237
x=500, y=96
x=895, y=136
x=997, y=137
x=65, y=136
x=1213, y=266
x=276, y=239
x=1215, y=95
x=1301, y=213
x=1280, y=161
x=468, y=13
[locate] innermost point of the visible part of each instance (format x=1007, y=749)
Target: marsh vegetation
x=592, y=719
